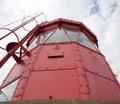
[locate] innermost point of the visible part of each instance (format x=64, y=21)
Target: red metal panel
x=15, y=73
x=95, y=62
x=58, y=84
x=18, y=94
x=74, y=27
x=65, y=77
x=103, y=89
x=43, y=61
x=25, y=75
x=18, y=69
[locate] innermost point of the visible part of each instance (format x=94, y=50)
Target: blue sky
x=101, y=16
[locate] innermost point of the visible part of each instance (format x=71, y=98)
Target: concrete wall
x=60, y=102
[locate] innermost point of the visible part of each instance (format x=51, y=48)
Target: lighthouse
x=61, y=60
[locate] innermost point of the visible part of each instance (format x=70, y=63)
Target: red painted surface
x=63, y=70
x=70, y=77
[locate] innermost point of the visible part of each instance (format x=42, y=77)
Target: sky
x=100, y=16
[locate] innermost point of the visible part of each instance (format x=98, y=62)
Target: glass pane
x=85, y=41
x=3, y=97
x=39, y=39
x=58, y=36
x=44, y=36
x=33, y=44
x=7, y=92
x=73, y=34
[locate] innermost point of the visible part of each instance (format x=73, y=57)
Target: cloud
x=111, y=45
x=94, y=8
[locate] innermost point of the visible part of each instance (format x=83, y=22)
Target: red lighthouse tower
x=62, y=61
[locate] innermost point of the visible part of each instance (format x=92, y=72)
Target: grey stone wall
x=60, y=102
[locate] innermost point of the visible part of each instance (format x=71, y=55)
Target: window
x=7, y=92
x=43, y=37
x=73, y=34
x=40, y=39
x=33, y=44
x=58, y=36
x=63, y=35
x=85, y=41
